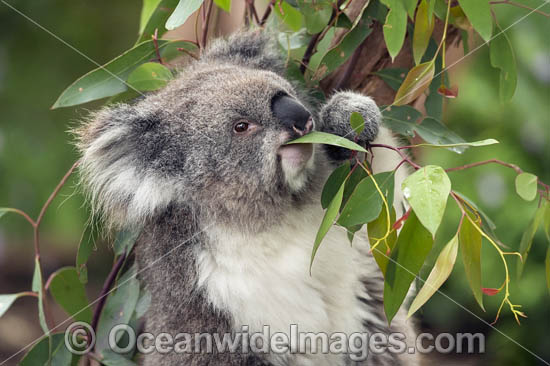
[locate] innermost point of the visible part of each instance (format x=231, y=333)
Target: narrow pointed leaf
x=394, y=77
x=183, y=11
x=70, y=294
x=39, y=353
x=427, y=191
x=316, y=14
x=6, y=301
x=153, y=17
x=412, y=247
x=526, y=186
x=461, y=144
x=439, y=274
x=470, y=247
x=479, y=14
x=333, y=184
x=328, y=220
x=417, y=81
x=502, y=57
x=401, y=119
x=317, y=137
x=547, y=265
x=490, y=291
x=395, y=27
x=37, y=286
x=434, y=132
x=527, y=237
x=423, y=28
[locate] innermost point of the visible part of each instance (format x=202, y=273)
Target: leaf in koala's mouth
x=317, y=137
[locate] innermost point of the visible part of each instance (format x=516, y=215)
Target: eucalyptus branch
x=401, y=153
x=267, y=12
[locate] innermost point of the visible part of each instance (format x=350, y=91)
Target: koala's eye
x=241, y=127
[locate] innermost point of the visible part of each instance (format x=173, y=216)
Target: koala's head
x=212, y=140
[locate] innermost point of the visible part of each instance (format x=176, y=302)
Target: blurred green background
x=36, y=150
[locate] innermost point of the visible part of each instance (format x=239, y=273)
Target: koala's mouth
x=295, y=156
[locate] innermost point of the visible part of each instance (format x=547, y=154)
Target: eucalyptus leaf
x=470, y=245
x=394, y=77
x=526, y=186
x=439, y=274
x=434, y=132
x=149, y=76
x=395, y=26
x=290, y=16
x=479, y=14
x=39, y=353
x=357, y=122
x=333, y=183
x=183, y=11
x=423, y=28
x=401, y=119
x=528, y=236
x=377, y=229
x=317, y=137
x=416, y=82
x=427, y=191
x=70, y=294
x=154, y=14
x=502, y=57
x=7, y=300
x=412, y=247
x=225, y=5
x=461, y=144
x=316, y=14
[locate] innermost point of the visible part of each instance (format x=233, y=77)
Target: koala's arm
x=334, y=118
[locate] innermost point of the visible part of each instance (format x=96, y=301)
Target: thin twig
x=267, y=12
x=252, y=9
x=520, y=6
x=516, y=168
x=206, y=22
x=401, y=153
x=156, y=44
x=105, y=290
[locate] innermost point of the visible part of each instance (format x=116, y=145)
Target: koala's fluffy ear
x=118, y=150
x=254, y=49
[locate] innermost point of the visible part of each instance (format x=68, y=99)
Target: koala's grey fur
x=226, y=234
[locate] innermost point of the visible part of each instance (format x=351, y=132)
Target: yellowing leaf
x=526, y=186
x=423, y=28
x=479, y=14
x=470, y=246
x=427, y=191
x=439, y=274
x=417, y=81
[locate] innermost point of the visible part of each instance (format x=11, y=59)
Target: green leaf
x=317, y=137
x=416, y=82
x=410, y=6
x=427, y=191
x=143, y=303
x=412, y=247
x=149, y=76
x=341, y=51
x=154, y=14
x=7, y=300
x=289, y=15
x=333, y=184
x=316, y=14
x=431, y=7
x=460, y=144
x=401, y=120
x=502, y=57
x=119, y=307
x=183, y=11
x=39, y=353
x=470, y=246
x=125, y=241
x=4, y=210
x=328, y=220
x=357, y=122
x=392, y=76
x=423, y=28
x=70, y=294
x=377, y=229
x=38, y=287
x=355, y=178
x=395, y=26
x=439, y=274
x=479, y=14
x=528, y=235
x=434, y=132
x=526, y=186
x=365, y=203
x=85, y=248
x=547, y=265
x=110, y=79
x=225, y=5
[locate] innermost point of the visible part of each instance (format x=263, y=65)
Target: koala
x=228, y=213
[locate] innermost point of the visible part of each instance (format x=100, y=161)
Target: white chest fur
x=265, y=280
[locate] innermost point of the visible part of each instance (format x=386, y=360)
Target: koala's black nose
x=292, y=114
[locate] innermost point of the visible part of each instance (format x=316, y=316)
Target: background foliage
x=34, y=154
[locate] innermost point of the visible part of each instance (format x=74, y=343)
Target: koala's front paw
x=335, y=118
